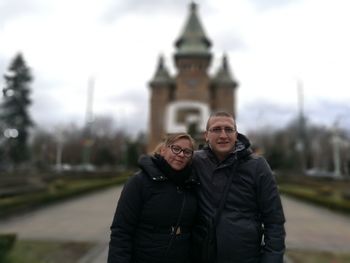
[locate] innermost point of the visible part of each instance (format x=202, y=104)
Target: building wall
x=224, y=99
x=192, y=81
x=160, y=97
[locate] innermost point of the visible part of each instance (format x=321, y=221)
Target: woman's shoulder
x=138, y=178
x=142, y=177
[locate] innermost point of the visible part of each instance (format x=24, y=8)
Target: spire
x=193, y=40
x=162, y=74
x=224, y=75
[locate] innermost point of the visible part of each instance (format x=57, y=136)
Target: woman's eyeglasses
x=177, y=150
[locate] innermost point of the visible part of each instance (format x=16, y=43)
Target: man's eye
x=229, y=130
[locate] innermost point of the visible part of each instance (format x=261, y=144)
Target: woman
x=157, y=207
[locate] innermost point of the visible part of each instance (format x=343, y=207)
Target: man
x=251, y=225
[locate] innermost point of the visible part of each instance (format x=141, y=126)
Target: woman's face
x=178, y=154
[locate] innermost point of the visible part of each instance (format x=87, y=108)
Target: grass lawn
x=47, y=252
x=304, y=256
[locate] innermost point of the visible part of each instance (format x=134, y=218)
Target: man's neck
x=221, y=157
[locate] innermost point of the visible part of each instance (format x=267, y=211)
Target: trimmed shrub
x=346, y=194
x=325, y=191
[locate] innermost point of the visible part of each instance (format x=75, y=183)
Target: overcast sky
x=272, y=45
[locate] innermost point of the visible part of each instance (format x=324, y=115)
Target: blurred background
x=80, y=84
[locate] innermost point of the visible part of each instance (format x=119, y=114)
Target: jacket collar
x=152, y=171
x=240, y=151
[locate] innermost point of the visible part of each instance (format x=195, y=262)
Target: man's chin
x=224, y=150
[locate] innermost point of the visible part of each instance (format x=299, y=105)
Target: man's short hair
x=220, y=114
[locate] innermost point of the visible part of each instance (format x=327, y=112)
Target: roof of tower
x=193, y=40
x=223, y=74
x=162, y=74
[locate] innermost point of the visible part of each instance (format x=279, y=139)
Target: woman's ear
x=162, y=150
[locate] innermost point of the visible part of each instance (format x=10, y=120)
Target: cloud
x=229, y=42
x=328, y=113
x=261, y=114
x=117, y=9
x=271, y=4
x=264, y=114
x=3, y=66
x=271, y=45
x=11, y=10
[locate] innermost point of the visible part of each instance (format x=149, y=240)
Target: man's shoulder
x=253, y=157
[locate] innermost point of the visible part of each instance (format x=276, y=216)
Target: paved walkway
x=88, y=219
x=312, y=227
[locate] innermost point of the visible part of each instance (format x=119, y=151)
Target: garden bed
x=56, y=190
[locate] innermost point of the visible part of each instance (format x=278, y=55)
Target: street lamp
x=337, y=142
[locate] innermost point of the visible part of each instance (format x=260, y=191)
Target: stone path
x=312, y=227
x=88, y=219
x=85, y=218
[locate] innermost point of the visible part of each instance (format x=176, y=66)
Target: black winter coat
x=252, y=209
x=148, y=208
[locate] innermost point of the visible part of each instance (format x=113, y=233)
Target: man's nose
x=223, y=133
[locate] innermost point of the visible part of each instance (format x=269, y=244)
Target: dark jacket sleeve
x=272, y=215
x=125, y=221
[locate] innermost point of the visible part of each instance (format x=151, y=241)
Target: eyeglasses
x=177, y=150
x=218, y=130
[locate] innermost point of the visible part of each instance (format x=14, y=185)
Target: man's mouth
x=223, y=142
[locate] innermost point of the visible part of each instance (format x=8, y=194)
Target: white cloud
x=270, y=48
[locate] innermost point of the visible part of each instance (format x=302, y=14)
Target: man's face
x=221, y=135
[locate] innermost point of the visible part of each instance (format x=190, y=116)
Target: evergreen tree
x=14, y=115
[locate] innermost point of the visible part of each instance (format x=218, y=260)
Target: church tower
x=184, y=102
x=162, y=93
x=192, y=60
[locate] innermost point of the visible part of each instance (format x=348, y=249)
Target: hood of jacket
x=148, y=166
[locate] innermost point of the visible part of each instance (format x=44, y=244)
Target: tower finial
x=193, y=6
x=224, y=61
x=161, y=62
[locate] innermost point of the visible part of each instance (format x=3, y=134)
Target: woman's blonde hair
x=170, y=138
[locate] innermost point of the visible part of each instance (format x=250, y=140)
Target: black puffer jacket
x=253, y=205
x=147, y=209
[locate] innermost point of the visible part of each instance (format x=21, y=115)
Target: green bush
x=307, y=194
x=325, y=191
x=6, y=243
x=57, y=190
x=346, y=194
